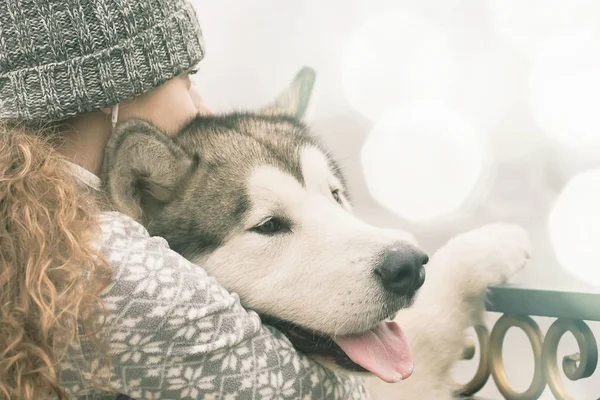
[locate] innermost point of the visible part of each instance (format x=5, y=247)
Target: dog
x=260, y=203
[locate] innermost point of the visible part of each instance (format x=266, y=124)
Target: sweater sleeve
x=175, y=333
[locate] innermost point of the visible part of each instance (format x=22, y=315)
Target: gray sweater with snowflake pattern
x=175, y=333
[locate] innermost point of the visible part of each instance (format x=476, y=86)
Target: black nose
x=401, y=271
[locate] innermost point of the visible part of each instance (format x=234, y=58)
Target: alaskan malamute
x=258, y=202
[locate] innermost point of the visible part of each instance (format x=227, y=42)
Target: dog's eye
x=336, y=195
x=269, y=226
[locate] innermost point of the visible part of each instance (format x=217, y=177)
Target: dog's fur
x=208, y=190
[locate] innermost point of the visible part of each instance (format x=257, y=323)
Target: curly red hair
x=50, y=274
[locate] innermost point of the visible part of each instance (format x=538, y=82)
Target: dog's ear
x=293, y=101
x=143, y=168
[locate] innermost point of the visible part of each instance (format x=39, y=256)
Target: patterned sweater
x=175, y=333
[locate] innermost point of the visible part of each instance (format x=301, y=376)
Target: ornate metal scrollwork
x=532, y=330
x=587, y=356
x=577, y=366
x=483, y=369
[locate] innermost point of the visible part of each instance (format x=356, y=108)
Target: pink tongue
x=384, y=351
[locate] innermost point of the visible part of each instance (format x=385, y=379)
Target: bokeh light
x=484, y=97
x=394, y=58
x=528, y=24
x=422, y=162
x=564, y=88
x=574, y=226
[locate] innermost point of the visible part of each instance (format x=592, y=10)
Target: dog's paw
x=508, y=242
x=494, y=252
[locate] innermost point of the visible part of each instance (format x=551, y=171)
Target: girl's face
x=168, y=106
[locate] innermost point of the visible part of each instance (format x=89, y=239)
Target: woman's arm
x=176, y=333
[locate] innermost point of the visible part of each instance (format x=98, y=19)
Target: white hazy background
x=445, y=114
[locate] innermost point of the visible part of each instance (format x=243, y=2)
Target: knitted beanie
x=59, y=58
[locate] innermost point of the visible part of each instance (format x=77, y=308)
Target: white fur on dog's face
x=320, y=273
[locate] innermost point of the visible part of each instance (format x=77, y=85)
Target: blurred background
x=445, y=115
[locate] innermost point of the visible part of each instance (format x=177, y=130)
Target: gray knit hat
x=59, y=58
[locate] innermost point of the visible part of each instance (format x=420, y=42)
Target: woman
x=89, y=303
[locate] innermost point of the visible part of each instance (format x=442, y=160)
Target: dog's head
x=260, y=204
